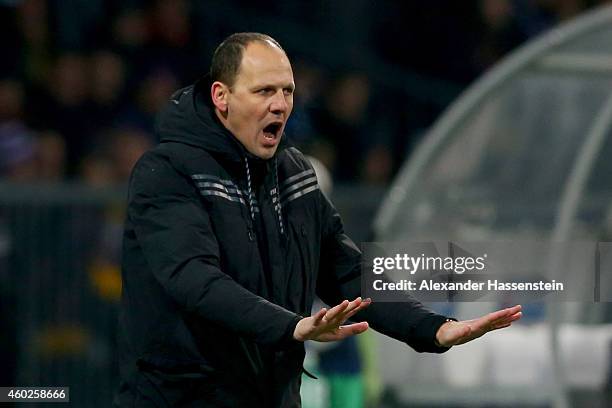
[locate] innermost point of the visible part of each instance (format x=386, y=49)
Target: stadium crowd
x=82, y=80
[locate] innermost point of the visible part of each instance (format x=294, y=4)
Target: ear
x=218, y=94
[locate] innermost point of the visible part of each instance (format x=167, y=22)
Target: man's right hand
x=326, y=325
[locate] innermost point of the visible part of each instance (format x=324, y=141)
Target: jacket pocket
x=173, y=367
x=174, y=385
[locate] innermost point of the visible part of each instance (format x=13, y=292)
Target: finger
x=350, y=330
x=510, y=319
x=354, y=305
x=511, y=311
x=514, y=317
x=340, y=317
x=516, y=309
x=333, y=312
x=503, y=326
x=362, y=306
x=495, y=318
x=318, y=317
x=342, y=332
x=508, y=311
x=502, y=323
x=507, y=319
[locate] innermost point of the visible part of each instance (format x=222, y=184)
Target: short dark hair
x=227, y=57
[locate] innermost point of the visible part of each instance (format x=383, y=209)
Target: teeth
x=271, y=131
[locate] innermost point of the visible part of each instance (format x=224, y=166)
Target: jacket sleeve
x=340, y=278
x=181, y=250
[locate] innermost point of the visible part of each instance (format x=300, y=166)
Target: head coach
x=227, y=241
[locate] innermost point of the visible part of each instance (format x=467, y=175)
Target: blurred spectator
x=62, y=106
x=28, y=157
x=126, y=148
x=342, y=121
x=69, y=82
x=130, y=32
x=172, y=44
x=97, y=170
x=349, y=125
x=112, y=161
x=35, y=39
x=51, y=157
x=11, y=99
x=499, y=32
x=108, y=77
x=17, y=153
x=130, y=29
x=171, y=23
x=309, y=82
x=152, y=94
x=378, y=165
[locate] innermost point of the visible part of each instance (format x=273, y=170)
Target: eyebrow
x=268, y=85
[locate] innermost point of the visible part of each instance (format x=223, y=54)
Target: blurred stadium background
x=523, y=154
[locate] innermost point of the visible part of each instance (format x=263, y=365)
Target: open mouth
x=272, y=130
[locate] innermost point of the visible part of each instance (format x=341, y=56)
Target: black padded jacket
x=222, y=255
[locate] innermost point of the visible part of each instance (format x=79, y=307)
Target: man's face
x=261, y=99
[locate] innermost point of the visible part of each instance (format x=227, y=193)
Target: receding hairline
x=267, y=43
x=238, y=42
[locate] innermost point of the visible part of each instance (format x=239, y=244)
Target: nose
x=279, y=103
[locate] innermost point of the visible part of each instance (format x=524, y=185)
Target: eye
x=265, y=91
x=288, y=91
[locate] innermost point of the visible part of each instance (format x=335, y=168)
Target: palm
x=455, y=333
x=328, y=325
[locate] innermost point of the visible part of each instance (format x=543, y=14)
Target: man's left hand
x=453, y=333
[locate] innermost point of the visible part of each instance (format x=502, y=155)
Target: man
x=228, y=239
